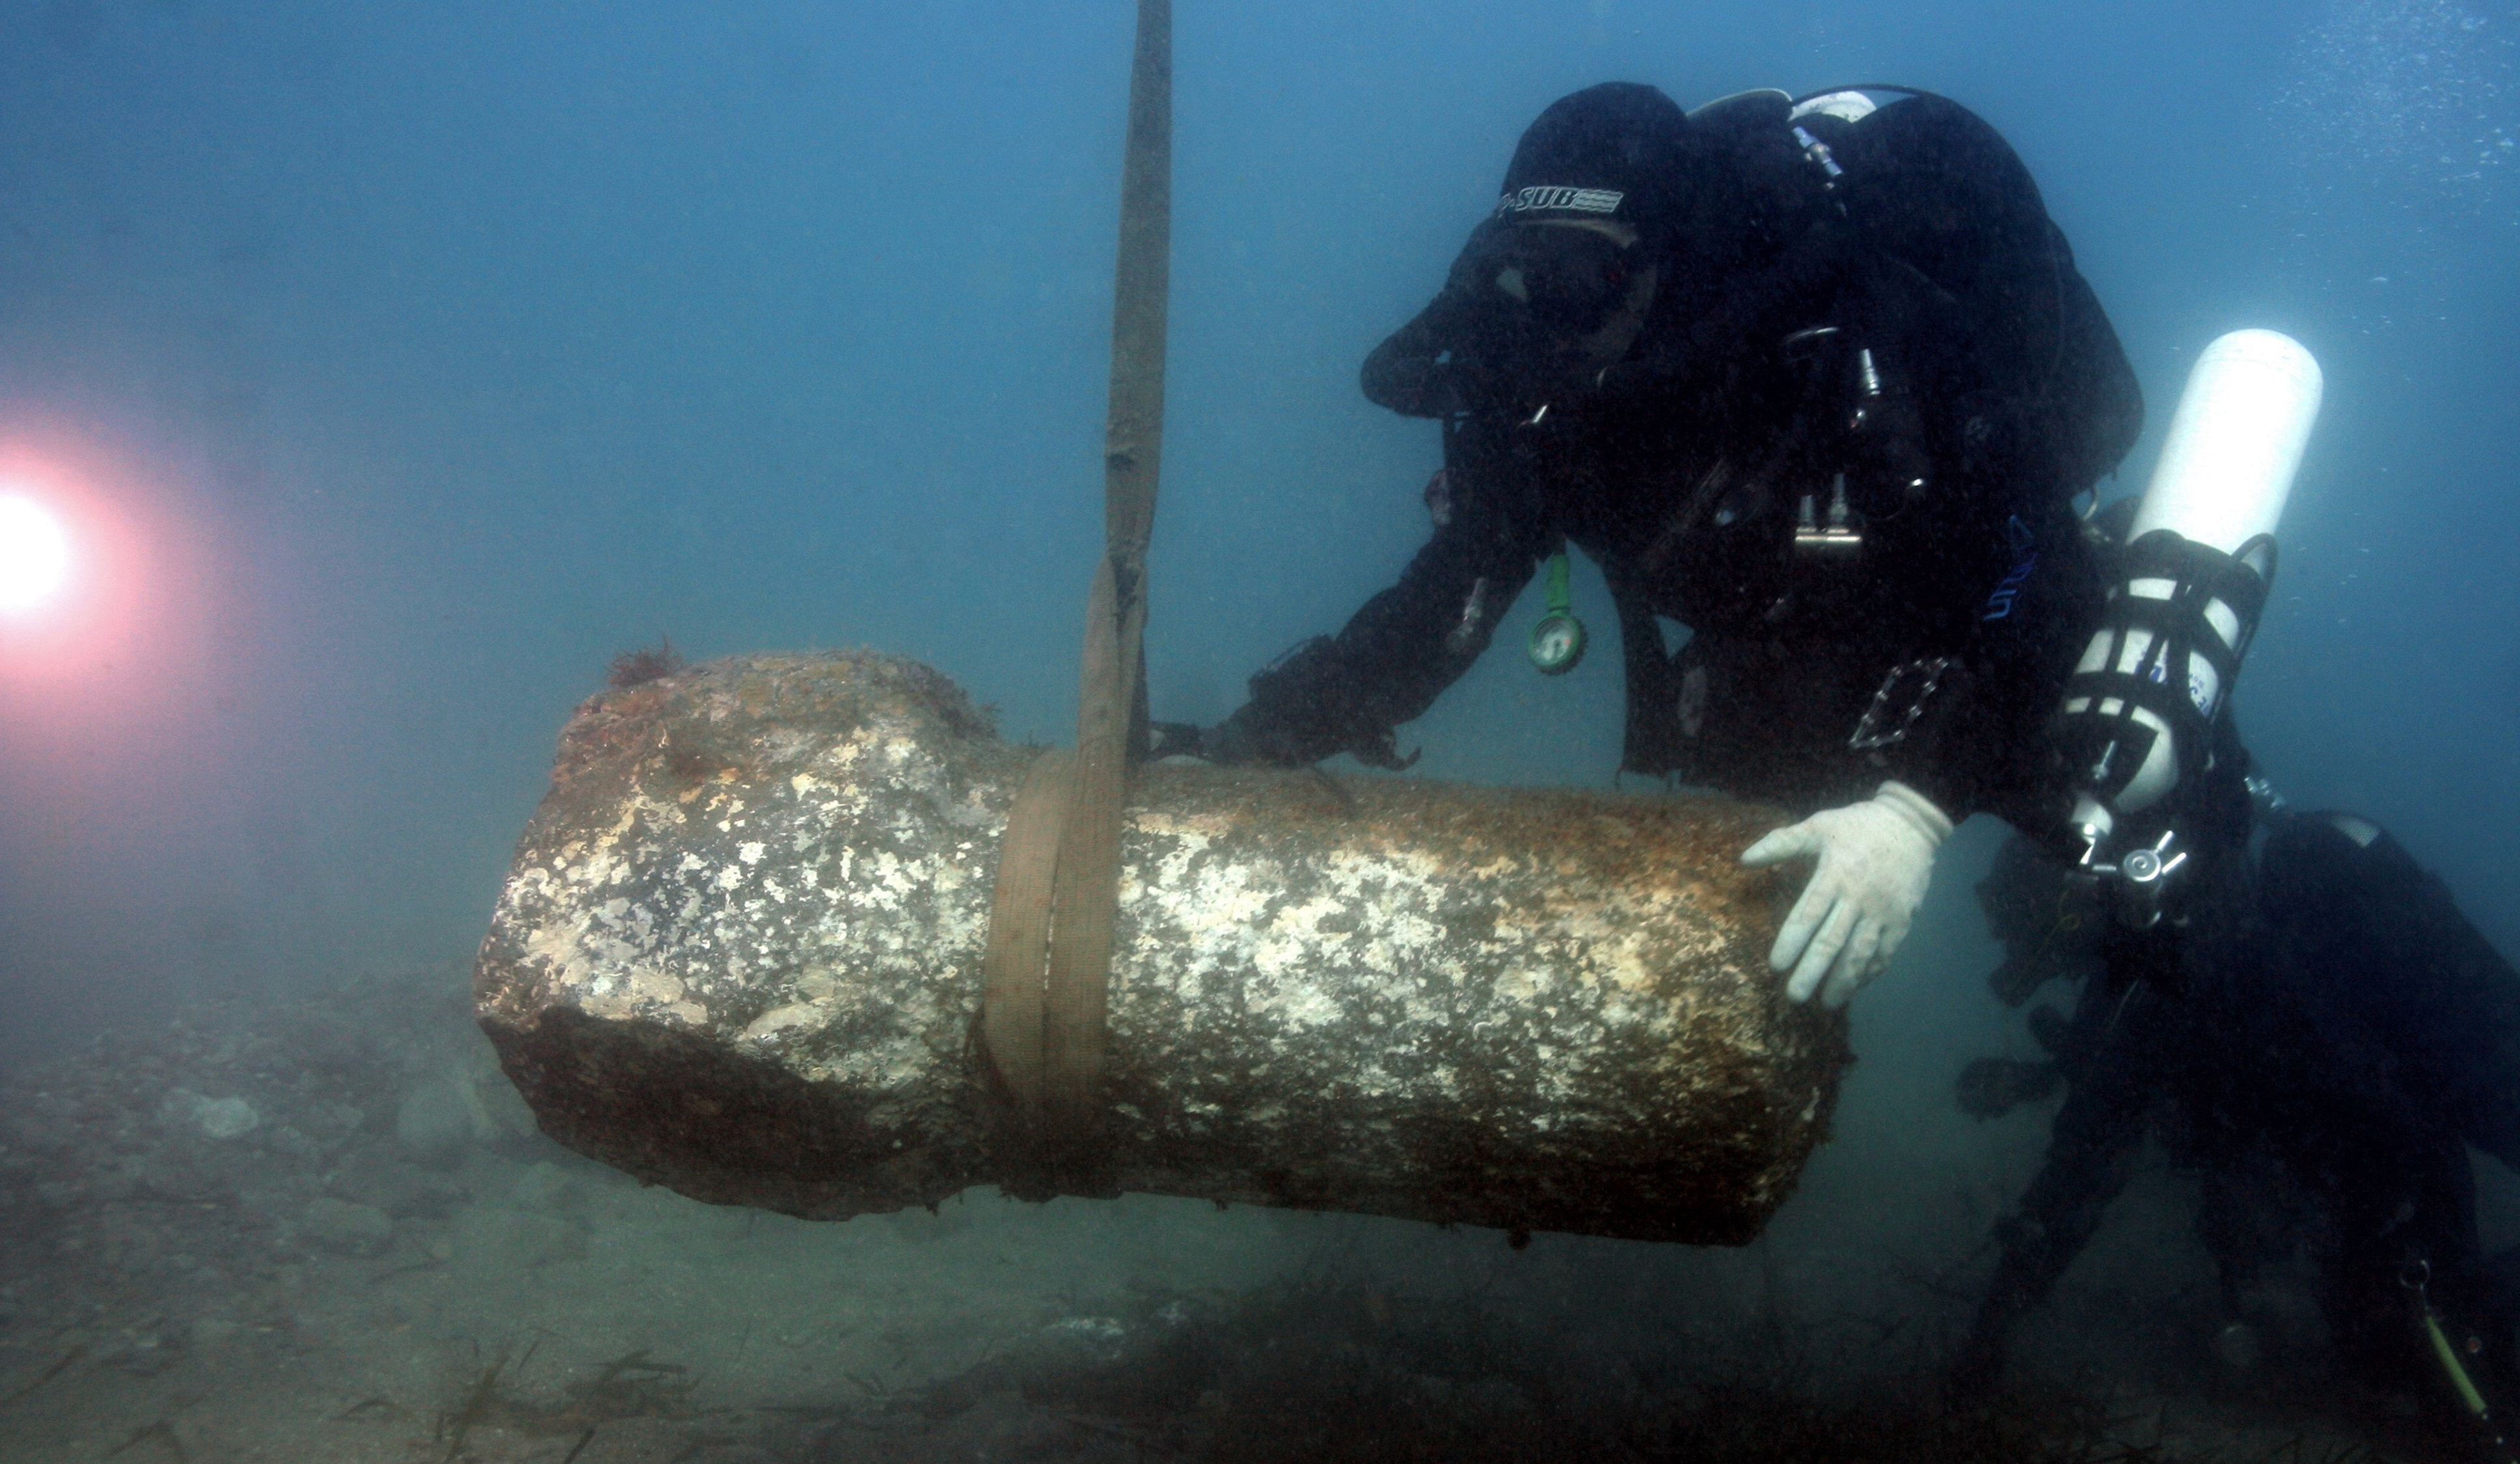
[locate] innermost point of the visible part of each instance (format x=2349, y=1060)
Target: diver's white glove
x=1876, y=860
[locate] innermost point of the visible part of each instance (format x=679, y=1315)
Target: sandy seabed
x=327, y=1230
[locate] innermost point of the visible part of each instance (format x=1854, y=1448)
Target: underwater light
x=34, y=553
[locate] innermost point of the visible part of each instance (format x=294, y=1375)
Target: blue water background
x=437, y=354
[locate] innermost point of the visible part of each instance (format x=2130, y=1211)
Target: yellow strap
x=1052, y=1067
x=1019, y=949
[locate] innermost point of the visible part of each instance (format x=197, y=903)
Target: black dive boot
x=2021, y=1278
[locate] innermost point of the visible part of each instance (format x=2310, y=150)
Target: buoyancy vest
x=1902, y=247
x=1967, y=280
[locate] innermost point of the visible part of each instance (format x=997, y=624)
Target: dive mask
x=1561, y=280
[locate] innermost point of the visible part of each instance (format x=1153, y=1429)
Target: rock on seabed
x=739, y=954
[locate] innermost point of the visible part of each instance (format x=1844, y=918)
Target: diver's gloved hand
x=1245, y=738
x=1876, y=859
x=1237, y=741
x=1175, y=740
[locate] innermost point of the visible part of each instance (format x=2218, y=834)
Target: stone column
x=738, y=954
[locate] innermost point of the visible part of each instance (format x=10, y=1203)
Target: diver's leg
x=2091, y=1156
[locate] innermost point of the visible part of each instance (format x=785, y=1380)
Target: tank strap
x=2179, y=633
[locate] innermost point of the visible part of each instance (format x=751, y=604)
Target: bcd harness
x=2155, y=630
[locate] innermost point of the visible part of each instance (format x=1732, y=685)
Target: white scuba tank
x=2225, y=470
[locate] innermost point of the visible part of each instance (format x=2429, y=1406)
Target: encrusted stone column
x=738, y=954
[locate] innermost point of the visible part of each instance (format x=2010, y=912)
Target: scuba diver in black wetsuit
x=2334, y=1064
x=2377, y=962
x=1817, y=380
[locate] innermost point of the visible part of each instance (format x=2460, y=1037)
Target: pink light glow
x=35, y=555
x=106, y=681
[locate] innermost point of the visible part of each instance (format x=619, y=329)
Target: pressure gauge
x=1557, y=640
x=1557, y=644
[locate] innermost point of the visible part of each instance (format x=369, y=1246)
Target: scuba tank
x=2140, y=708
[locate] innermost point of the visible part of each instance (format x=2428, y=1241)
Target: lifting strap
x=1049, y=959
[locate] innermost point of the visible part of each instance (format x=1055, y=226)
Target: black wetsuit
x=1911, y=325
x=2341, y=1033
x=2378, y=964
